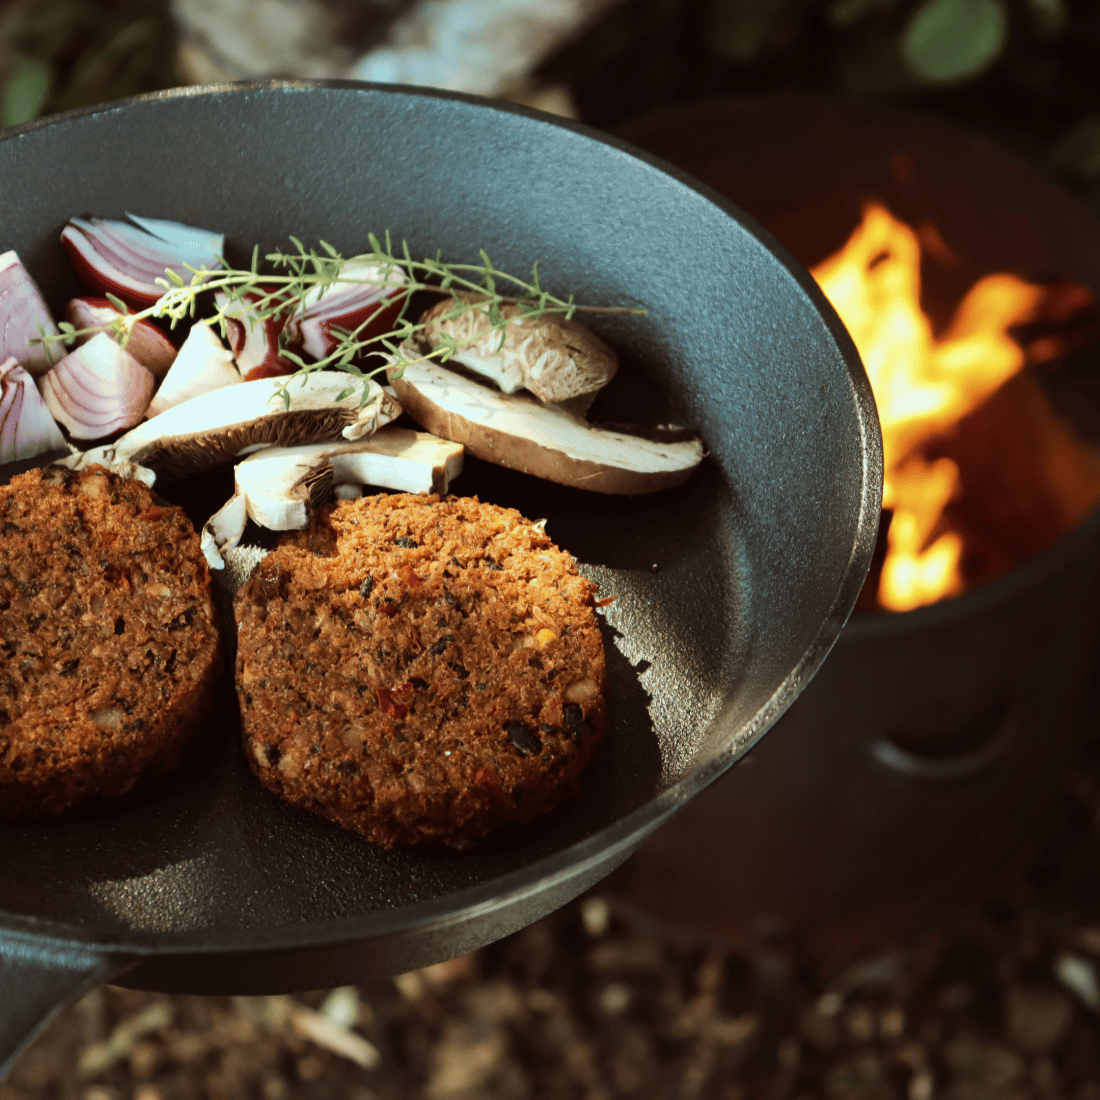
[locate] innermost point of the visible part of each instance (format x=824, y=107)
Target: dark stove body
x=918, y=758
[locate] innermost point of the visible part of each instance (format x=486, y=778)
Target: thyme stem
x=310, y=272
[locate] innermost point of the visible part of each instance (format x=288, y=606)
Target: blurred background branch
x=1018, y=70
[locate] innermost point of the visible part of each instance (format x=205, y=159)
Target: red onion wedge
x=346, y=304
x=24, y=316
x=97, y=390
x=255, y=342
x=26, y=427
x=203, y=364
x=124, y=259
x=186, y=237
x=147, y=344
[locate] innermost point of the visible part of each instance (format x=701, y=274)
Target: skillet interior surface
x=727, y=592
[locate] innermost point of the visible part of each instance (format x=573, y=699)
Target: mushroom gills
x=215, y=427
x=279, y=487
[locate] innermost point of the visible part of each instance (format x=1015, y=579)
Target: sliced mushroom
x=203, y=364
x=215, y=427
x=554, y=358
x=280, y=486
x=521, y=433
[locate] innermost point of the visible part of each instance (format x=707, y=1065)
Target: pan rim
x=628, y=832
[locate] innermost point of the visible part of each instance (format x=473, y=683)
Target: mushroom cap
x=554, y=358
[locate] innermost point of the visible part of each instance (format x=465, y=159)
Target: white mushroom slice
x=554, y=358
x=203, y=364
x=521, y=433
x=97, y=390
x=279, y=487
x=26, y=427
x=215, y=427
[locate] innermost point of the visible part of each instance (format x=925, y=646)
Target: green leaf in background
x=1078, y=152
x=25, y=90
x=1049, y=16
x=950, y=40
x=740, y=28
x=845, y=12
x=95, y=51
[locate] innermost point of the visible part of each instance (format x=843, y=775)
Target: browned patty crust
x=109, y=638
x=420, y=669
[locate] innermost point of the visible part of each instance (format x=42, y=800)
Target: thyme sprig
x=301, y=276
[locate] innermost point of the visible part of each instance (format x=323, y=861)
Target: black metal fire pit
x=918, y=757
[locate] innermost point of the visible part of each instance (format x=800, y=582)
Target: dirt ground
x=995, y=1001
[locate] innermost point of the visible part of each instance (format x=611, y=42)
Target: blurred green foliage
x=1078, y=151
x=947, y=40
x=895, y=43
x=73, y=53
x=1026, y=66
x=25, y=90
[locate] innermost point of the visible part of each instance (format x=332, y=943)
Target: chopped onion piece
x=125, y=260
x=26, y=427
x=346, y=304
x=147, y=344
x=186, y=236
x=97, y=390
x=24, y=316
x=203, y=364
x=255, y=342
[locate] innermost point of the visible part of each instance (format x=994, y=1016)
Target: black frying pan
x=728, y=592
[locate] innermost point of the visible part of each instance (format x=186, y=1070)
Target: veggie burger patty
x=417, y=668
x=109, y=638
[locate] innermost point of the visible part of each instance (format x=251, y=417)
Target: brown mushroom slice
x=521, y=433
x=279, y=487
x=215, y=427
x=554, y=358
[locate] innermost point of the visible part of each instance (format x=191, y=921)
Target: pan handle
x=37, y=979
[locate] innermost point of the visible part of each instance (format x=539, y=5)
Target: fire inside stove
x=980, y=472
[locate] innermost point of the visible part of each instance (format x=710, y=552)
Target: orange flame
x=922, y=385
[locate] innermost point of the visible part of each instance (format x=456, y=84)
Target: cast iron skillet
x=728, y=592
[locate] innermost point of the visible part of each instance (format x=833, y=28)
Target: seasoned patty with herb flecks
x=109, y=638
x=420, y=669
